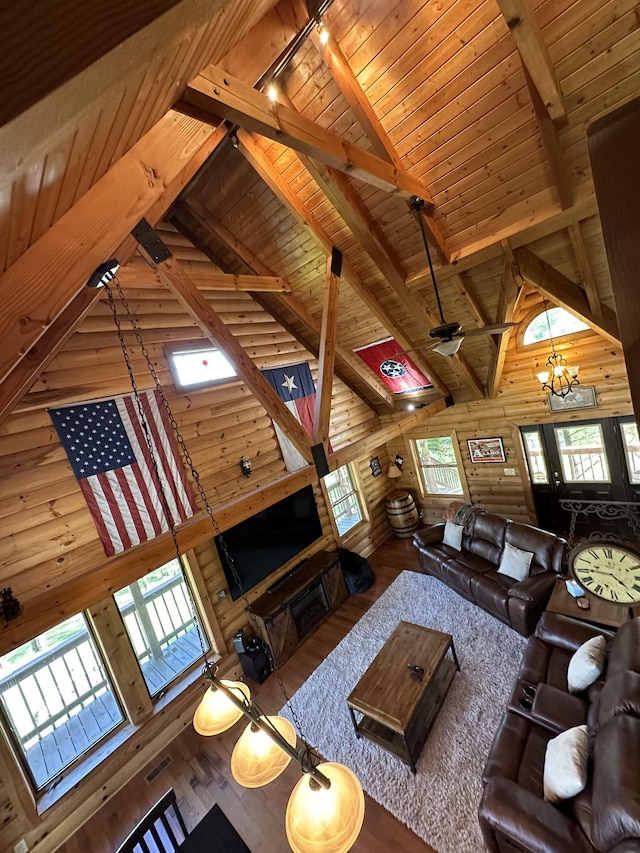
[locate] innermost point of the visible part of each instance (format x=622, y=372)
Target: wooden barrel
x=402, y=514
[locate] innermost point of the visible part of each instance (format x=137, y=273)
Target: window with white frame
x=160, y=616
x=438, y=466
x=57, y=699
x=197, y=364
x=344, y=500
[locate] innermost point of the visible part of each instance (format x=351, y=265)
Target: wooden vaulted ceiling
x=479, y=106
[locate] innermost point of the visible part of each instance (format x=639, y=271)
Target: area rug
x=440, y=802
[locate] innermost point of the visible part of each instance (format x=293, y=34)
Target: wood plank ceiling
x=483, y=104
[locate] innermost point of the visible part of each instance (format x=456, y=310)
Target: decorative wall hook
x=245, y=466
x=10, y=607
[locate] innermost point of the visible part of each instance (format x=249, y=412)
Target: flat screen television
x=261, y=544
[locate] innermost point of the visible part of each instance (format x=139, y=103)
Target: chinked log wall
x=48, y=537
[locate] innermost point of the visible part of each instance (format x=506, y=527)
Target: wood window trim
x=356, y=482
x=415, y=457
x=118, y=657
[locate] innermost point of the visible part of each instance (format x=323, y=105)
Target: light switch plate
x=510, y=472
x=21, y=847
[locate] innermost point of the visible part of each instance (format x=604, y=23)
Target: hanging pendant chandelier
x=326, y=809
x=559, y=379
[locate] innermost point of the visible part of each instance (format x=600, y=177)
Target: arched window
x=552, y=323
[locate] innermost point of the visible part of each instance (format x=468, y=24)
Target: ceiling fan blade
x=497, y=329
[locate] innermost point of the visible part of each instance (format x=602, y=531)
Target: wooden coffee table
x=600, y=612
x=400, y=694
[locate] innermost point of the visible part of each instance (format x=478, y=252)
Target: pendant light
x=327, y=805
x=559, y=379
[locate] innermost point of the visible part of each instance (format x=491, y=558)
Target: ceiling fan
x=448, y=335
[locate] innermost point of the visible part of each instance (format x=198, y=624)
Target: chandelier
x=559, y=379
x=325, y=811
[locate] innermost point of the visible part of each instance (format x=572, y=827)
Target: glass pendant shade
x=257, y=759
x=216, y=713
x=543, y=376
x=325, y=821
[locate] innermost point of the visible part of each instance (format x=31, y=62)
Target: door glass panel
x=631, y=450
x=582, y=454
x=535, y=457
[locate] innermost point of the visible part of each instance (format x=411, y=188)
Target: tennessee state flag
x=393, y=366
x=294, y=385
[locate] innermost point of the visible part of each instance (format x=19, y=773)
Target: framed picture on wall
x=486, y=450
x=376, y=467
x=581, y=397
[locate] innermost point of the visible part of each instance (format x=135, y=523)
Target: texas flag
x=393, y=366
x=295, y=388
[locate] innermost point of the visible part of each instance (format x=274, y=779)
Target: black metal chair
x=161, y=830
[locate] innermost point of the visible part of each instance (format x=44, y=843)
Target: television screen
x=261, y=544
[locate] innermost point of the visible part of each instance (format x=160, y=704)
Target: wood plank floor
x=200, y=774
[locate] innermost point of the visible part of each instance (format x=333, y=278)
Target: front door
x=595, y=460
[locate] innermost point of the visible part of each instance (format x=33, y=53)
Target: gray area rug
x=440, y=802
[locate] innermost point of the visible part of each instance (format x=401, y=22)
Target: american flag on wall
x=294, y=385
x=108, y=451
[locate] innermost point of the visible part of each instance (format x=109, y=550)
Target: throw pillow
x=586, y=664
x=565, y=764
x=514, y=562
x=453, y=535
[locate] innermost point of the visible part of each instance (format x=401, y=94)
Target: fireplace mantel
x=277, y=614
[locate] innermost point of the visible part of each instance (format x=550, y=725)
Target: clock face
x=609, y=571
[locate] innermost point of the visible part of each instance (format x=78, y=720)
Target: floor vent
x=157, y=770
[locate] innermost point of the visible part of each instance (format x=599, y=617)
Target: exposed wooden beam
x=327, y=356
x=274, y=181
x=533, y=52
x=476, y=310
x=24, y=374
x=504, y=314
x=212, y=326
x=565, y=293
x=552, y=148
x=352, y=92
x=42, y=282
x=195, y=220
x=517, y=233
x=585, y=268
x=613, y=144
x=213, y=95
x=138, y=276
x=88, y=585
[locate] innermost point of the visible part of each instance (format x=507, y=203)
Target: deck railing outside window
x=343, y=499
x=438, y=466
x=60, y=702
x=158, y=615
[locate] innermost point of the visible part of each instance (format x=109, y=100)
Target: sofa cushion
x=514, y=562
x=490, y=591
x=565, y=764
x=625, y=648
x=620, y=695
x=453, y=535
x=586, y=664
x=488, y=537
x=547, y=549
x=616, y=793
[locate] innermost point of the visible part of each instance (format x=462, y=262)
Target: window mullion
x=120, y=658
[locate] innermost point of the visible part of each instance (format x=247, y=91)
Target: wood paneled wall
x=520, y=401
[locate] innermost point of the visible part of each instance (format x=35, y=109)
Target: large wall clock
x=608, y=570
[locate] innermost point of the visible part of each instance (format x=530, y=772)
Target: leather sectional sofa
x=472, y=571
x=605, y=816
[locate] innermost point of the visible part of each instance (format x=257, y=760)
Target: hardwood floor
x=200, y=774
